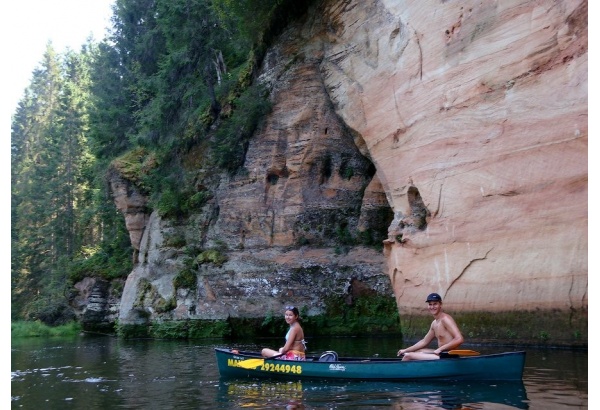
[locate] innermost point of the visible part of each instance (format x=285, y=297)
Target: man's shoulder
x=445, y=317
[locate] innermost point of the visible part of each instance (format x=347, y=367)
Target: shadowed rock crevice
x=413, y=222
x=418, y=211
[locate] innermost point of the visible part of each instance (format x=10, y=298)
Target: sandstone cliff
x=480, y=108
x=459, y=129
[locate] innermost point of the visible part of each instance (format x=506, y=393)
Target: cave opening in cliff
x=326, y=169
x=418, y=210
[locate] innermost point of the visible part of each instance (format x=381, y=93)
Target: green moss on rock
x=132, y=331
x=190, y=329
x=211, y=256
x=540, y=328
x=185, y=279
x=373, y=314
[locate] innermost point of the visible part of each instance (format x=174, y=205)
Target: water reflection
x=109, y=373
x=557, y=377
x=262, y=394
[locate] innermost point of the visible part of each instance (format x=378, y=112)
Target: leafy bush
x=170, y=203
x=38, y=329
x=100, y=265
x=211, y=256
x=198, y=329
x=144, y=287
x=197, y=200
x=233, y=134
x=173, y=198
x=111, y=259
x=272, y=325
x=50, y=310
x=185, y=279
x=136, y=165
x=378, y=314
x=175, y=241
x=190, y=329
x=163, y=305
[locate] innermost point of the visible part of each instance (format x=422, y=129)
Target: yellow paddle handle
x=464, y=352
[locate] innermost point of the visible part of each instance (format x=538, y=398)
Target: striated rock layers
x=288, y=224
x=475, y=115
x=459, y=128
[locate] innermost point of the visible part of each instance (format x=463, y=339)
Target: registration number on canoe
x=281, y=368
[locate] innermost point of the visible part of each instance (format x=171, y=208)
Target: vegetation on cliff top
x=172, y=78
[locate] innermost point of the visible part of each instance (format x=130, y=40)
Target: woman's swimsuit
x=294, y=354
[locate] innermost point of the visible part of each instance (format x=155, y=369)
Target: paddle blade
x=464, y=352
x=251, y=363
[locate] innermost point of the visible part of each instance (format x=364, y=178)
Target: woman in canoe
x=295, y=346
x=443, y=328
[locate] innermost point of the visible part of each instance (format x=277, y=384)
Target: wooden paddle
x=460, y=352
x=254, y=363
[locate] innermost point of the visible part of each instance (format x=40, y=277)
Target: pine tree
x=33, y=143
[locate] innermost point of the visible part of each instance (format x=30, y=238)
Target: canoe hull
x=501, y=366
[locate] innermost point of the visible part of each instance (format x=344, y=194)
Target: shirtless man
x=443, y=328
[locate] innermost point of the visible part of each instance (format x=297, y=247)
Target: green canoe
x=499, y=366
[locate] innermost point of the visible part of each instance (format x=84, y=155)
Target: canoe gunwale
x=495, y=366
x=255, y=355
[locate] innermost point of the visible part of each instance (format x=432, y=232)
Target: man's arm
x=420, y=344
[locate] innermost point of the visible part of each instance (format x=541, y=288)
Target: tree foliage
x=171, y=75
x=52, y=181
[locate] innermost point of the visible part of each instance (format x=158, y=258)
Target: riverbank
x=533, y=329
x=39, y=329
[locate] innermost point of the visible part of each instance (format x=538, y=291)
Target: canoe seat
x=328, y=356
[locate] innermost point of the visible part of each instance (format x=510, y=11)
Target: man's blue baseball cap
x=434, y=297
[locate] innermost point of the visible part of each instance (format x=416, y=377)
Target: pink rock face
x=479, y=108
x=474, y=114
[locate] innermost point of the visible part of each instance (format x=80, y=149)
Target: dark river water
x=99, y=372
